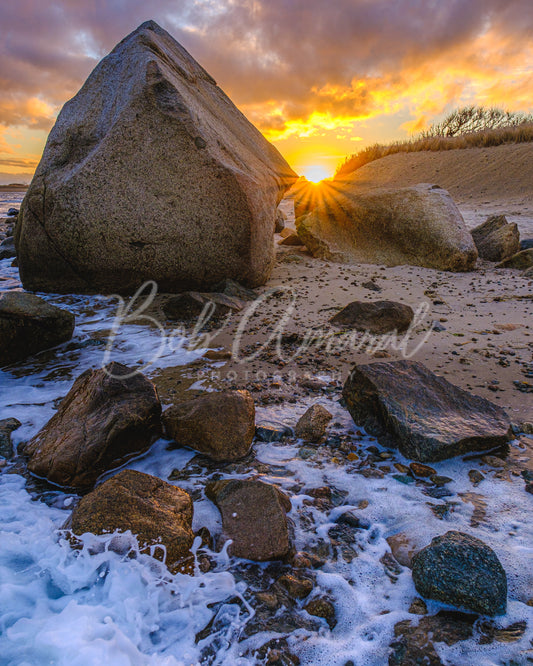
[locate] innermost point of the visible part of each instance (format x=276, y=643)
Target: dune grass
x=451, y=134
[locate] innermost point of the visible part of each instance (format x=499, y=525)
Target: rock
x=312, y=425
x=235, y=290
x=150, y=173
x=106, y=417
x=405, y=405
x=7, y=248
x=419, y=469
x=526, y=427
x=270, y=431
x=190, y=304
x=322, y=607
x=418, y=226
x=418, y=607
x=377, y=317
x=159, y=514
x=220, y=425
x=287, y=231
x=279, y=224
x=371, y=286
x=496, y=239
x=521, y=260
x=526, y=244
x=297, y=587
x=460, y=570
x=254, y=517
x=403, y=547
x=12, y=212
x=28, y=325
x=6, y=428
x=292, y=240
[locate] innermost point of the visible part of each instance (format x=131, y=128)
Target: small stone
x=298, y=588
x=271, y=431
x=7, y=426
x=475, y=476
x=419, y=469
x=378, y=317
x=439, y=480
x=527, y=428
x=493, y=461
x=312, y=426
x=306, y=452
x=322, y=607
x=418, y=607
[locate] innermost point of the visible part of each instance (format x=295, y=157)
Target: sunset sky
x=320, y=78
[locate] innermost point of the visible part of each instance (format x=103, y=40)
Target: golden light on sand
x=315, y=173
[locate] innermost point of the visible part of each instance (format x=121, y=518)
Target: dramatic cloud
x=302, y=70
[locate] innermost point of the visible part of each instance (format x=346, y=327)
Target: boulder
x=377, y=317
x=279, y=223
x=460, y=570
x=109, y=415
x=313, y=424
x=496, y=239
x=150, y=173
x=405, y=405
x=220, y=425
x=521, y=260
x=28, y=324
x=418, y=226
x=253, y=517
x=191, y=304
x=291, y=240
x=159, y=514
x=7, y=248
x=7, y=426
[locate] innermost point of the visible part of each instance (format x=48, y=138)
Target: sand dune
x=481, y=180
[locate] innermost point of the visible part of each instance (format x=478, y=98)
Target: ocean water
x=61, y=606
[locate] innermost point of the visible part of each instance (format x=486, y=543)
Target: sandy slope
x=481, y=180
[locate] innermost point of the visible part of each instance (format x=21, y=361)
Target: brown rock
x=522, y=260
x=297, y=587
x=190, y=305
x=292, y=240
x=254, y=517
x=155, y=511
x=28, y=324
x=322, y=607
x=403, y=547
x=220, y=425
x=496, y=239
x=313, y=424
x=419, y=469
x=105, y=418
x=377, y=318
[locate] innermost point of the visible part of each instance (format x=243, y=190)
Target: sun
x=315, y=173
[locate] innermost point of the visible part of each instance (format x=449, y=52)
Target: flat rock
x=254, y=517
x=376, y=317
x=109, y=415
x=7, y=426
x=460, y=570
x=496, y=239
x=407, y=406
x=190, y=305
x=159, y=514
x=417, y=226
x=313, y=424
x=220, y=425
x=521, y=260
x=150, y=173
x=272, y=431
x=28, y=324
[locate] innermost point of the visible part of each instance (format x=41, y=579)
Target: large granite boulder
x=150, y=172
x=254, y=517
x=159, y=514
x=418, y=226
x=109, y=415
x=496, y=239
x=28, y=324
x=461, y=570
x=406, y=405
x=377, y=317
x=220, y=425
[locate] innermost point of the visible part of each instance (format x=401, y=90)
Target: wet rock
x=496, y=239
x=191, y=304
x=271, y=431
x=12, y=212
x=149, y=119
x=371, y=286
x=417, y=225
x=403, y=547
x=421, y=470
x=312, y=426
x=108, y=416
x=322, y=607
x=521, y=260
x=460, y=570
x=296, y=586
x=254, y=517
x=7, y=249
x=526, y=244
x=378, y=317
x=277, y=653
x=7, y=426
x=28, y=324
x=404, y=404
x=220, y=425
x=159, y=514
x=418, y=607
x=475, y=476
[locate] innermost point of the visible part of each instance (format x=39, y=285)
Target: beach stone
x=271, y=431
x=522, y=260
x=158, y=513
x=220, y=425
x=403, y=547
x=496, y=239
x=12, y=212
x=281, y=218
x=312, y=426
x=526, y=244
x=7, y=426
x=376, y=317
x=235, y=290
x=418, y=226
x=7, y=248
x=296, y=586
x=254, y=517
x=407, y=406
x=460, y=570
x=150, y=173
x=106, y=417
x=322, y=607
x=189, y=305
x=28, y=324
